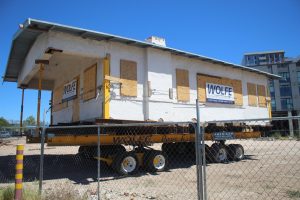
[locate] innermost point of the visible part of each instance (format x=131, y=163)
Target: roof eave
x=15, y=36
x=97, y=35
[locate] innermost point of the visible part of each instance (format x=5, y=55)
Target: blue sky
x=214, y=28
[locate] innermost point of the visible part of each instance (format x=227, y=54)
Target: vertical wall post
x=19, y=172
x=21, y=114
x=51, y=109
x=42, y=64
x=39, y=94
x=106, y=87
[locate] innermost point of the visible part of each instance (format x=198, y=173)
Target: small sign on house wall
x=70, y=90
x=219, y=93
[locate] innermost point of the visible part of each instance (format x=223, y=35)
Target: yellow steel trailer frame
x=145, y=139
x=88, y=142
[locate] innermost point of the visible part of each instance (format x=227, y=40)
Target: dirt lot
x=271, y=170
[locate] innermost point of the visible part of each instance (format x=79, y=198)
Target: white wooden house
x=98, y=75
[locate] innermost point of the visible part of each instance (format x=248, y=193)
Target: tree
x=3, y=122
x=29, y=121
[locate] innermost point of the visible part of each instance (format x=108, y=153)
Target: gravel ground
x=271, y=170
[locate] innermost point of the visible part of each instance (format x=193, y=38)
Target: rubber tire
x=169, y=149
x=111, y=150
x=149, y=158
x=232, y=152
x=118, y=160
x=215, y=149
x=208, y=154
x=181, y=147
x=87, y=152
x=191, y=148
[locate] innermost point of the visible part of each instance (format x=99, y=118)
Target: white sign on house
x=219, y=93
x=70, y=90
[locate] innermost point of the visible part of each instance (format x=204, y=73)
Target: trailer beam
x=145, y=139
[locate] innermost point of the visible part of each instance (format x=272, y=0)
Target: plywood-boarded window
x=202, y=79
x=201, y=88
x=252, y=98
x=261, y=92
x=182, y=85
x=90, y=83
x=128, y=75
x=238, y=92
x=57, y=103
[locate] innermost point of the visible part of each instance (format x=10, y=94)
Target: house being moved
x=95, y=75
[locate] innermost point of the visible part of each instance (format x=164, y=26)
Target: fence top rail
x=255, y=119
x=123, y=125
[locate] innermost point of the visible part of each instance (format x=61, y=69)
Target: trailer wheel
x=235, y=152
x=125, y=163
x=87, y=152
x=169, y=149
x=155, y=161
x=110, y=150
x=208, y=154
x=219, y=153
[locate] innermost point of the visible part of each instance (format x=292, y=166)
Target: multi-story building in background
x=285, y=93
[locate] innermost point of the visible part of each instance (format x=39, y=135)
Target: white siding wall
x=160, y=74
x=89, y=110
x=213, y=111
x=121, y=107
x=158, y=67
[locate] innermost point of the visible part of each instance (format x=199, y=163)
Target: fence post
x=199, y=159
x=291, y=128
x=19, y=172
x=41, y=175
x=98, y=163
x=204, y=162
x=298, y=121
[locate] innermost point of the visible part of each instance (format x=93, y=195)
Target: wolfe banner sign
x=219, y=93
x=70, y=90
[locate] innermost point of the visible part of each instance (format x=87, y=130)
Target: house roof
x=32, y=28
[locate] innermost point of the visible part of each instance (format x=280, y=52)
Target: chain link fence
x=241, y=159
x=9, y=138
x=131, y=161
x=267, y=167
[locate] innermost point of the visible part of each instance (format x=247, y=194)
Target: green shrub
x=31, y=193
x=7, y=193
x=276, y=135
x=293, y=194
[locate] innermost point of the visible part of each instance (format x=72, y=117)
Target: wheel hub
x=239, y=153
x=129, y=164
x=222, y=155
x=159, y=162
